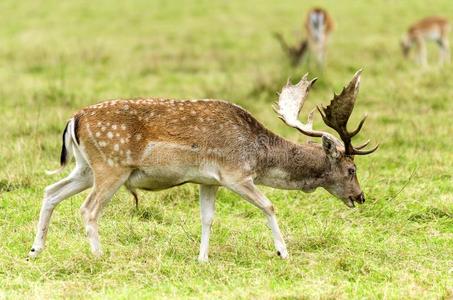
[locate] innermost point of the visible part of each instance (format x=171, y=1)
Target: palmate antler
x=336, y=115
x=290, y=102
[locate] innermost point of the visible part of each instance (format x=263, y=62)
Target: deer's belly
x=433, y=35
x=159, y=178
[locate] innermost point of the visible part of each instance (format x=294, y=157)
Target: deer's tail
x=68, y=138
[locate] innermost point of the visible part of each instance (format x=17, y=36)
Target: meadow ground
x=59, y=56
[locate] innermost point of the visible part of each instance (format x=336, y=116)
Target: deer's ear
x=330, y=147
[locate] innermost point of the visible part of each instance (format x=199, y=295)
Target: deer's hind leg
x=106, y=182
x=77, y=181
x=444, y=51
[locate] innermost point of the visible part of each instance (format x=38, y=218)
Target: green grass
x=57, y=57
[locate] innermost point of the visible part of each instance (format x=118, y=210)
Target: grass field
x=59, y=56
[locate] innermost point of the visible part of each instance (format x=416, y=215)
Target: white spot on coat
x=128, y=156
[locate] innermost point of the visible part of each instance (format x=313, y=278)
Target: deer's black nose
x=360, y=198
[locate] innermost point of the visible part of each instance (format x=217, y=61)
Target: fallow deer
x=318, y=27
x=428, y=29
x=156, y=144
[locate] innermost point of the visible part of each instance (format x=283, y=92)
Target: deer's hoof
x=34, y=252
x=203, y=259
x=283, y=254
x=97, y=253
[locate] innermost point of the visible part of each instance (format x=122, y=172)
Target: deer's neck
x=286, y=165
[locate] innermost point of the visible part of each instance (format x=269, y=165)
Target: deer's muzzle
x=360, y=198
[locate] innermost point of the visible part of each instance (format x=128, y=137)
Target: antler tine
x=359, y=127
x=304, y=79
x=355, y=151
x=363, y=145
x=321, y=112
x=310, y=118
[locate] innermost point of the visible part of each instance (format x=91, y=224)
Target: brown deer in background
x=155, y=144
x=428, y=29
x=318, y=27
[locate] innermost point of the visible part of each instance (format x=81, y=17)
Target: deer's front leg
x=422, y=54
x=251, y=193
x=207, y=210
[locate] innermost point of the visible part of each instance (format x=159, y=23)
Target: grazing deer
x=428, y=29
x=318, y=26
x=157, y=144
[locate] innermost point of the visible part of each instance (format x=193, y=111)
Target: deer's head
x=405, y=45
x=341, y=173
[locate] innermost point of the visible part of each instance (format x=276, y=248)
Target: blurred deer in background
x=156, y=144
x=428, y=29
x=318, y=26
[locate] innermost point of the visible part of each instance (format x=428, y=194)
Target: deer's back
x=128, y=132
x=435, y=23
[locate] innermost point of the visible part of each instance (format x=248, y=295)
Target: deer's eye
x=351, y=171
